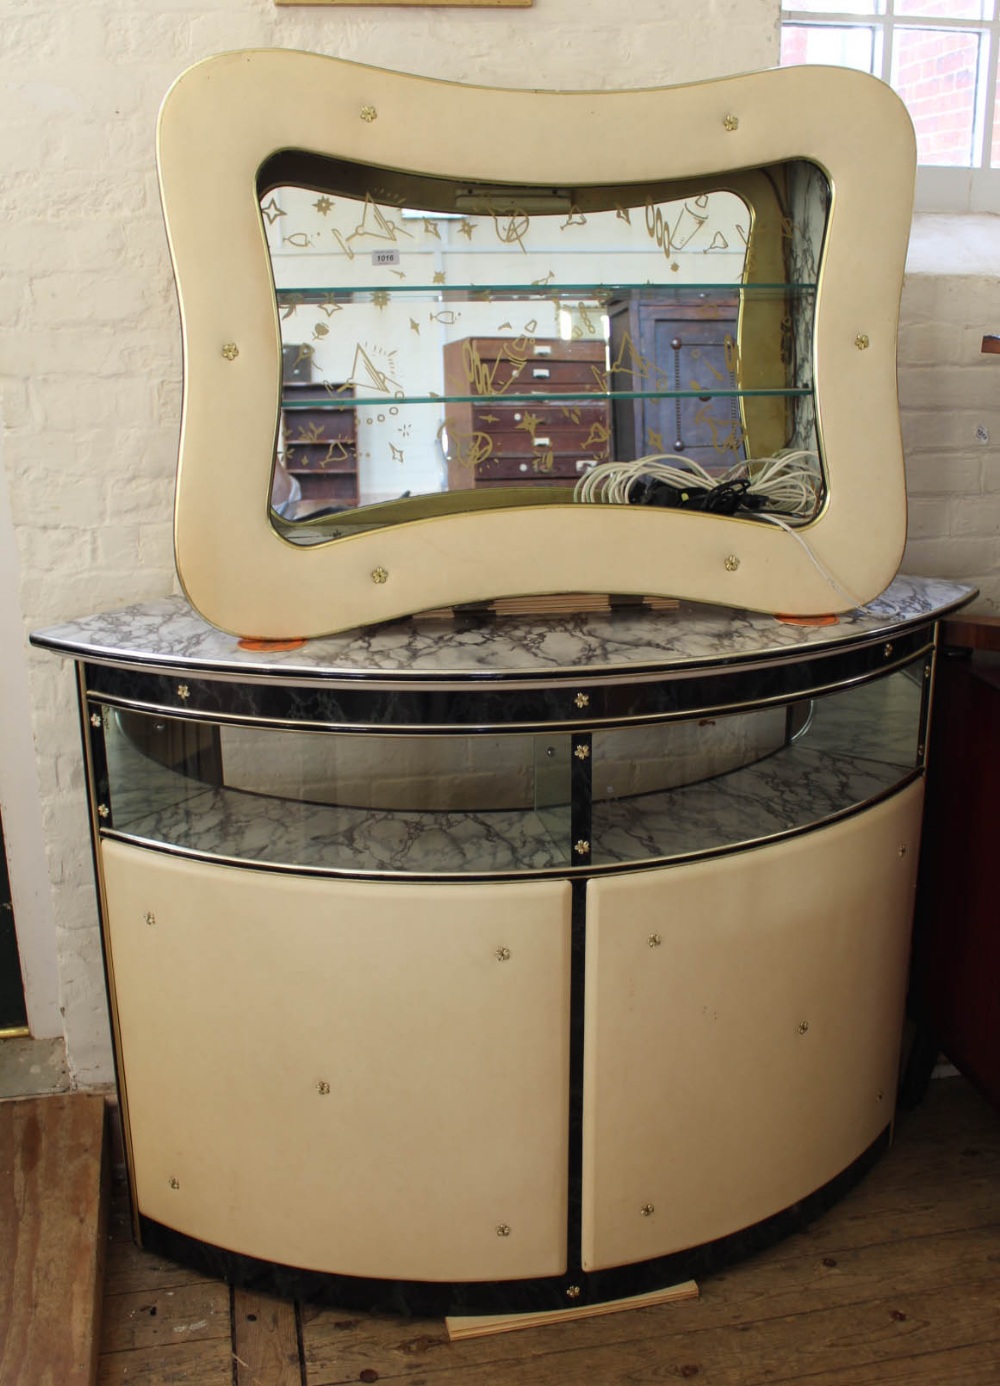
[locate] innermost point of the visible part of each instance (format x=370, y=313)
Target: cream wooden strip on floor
x=485, y=1325
x=773, y=1286
x=53, y=1213
x=774, y=1352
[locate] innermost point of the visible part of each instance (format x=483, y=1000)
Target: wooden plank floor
x=53, y=1219
x=897, y=1285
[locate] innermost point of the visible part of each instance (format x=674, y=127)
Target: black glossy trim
x=926, y=699
x=489, y=708
x=578, y=1015
x=515, y=1296
x=581, y=798
x=97, y=764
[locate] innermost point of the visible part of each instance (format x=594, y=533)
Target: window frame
x=939, y=188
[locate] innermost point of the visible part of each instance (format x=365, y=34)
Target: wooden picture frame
x=433, y=4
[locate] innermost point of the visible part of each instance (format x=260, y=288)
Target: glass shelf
x=536, y=398
x=695, y=295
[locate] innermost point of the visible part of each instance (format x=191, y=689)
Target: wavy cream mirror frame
x=230, y=116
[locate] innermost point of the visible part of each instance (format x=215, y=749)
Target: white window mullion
x=888, y=44
x=986, y=133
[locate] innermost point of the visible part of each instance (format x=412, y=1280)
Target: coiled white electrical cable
x=789, y=483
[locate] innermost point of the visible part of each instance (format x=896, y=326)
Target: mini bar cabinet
x=508, y=961
x=506, y=846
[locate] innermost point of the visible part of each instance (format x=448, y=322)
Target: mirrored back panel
x=500, y=346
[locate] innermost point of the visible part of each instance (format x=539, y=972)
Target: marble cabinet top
x=167, y=634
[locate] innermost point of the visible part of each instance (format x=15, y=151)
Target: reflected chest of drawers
x=525, y=411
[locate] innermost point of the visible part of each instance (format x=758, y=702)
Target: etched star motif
x=599, y=437
x=323, y=205
x=271, y=211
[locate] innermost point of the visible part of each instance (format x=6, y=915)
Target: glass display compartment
x=494, y=803
x=343, y=803
x=736, y=779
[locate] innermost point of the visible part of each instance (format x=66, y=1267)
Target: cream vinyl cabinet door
x=367, y=1078
x=743, y=1029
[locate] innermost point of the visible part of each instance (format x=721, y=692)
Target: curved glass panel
x=512, y=803
x=811, y=761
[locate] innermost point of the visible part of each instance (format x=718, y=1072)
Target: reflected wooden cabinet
x=319, y=432
x=674, y=371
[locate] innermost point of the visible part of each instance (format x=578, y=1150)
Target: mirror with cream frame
x=424, y=367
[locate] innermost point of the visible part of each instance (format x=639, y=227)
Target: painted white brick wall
x=950, y=402
x=89, y=337
x=89, y=340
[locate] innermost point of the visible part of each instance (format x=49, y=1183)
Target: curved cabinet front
x=558, y=984
x=743, y=1021
x=366, y=1080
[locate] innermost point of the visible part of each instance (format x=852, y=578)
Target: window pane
x=945, y=9
x=829, y=44
x=936, y=72
x=845, y=6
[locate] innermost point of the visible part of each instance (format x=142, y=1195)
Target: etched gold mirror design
x=446, y=343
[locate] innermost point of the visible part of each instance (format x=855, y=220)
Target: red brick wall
x=934, y=71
